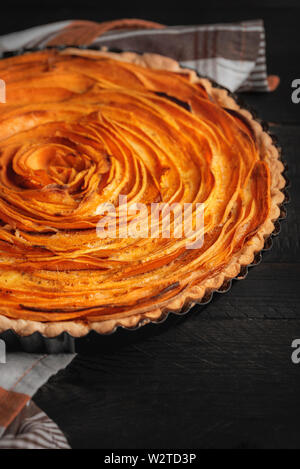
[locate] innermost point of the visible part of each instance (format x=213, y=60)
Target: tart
x=79, y=129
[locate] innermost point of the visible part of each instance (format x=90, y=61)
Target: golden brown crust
x=195, y=293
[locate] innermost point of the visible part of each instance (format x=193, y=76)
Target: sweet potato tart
x=82, y=127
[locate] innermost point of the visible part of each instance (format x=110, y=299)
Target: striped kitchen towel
x=231, y=54
x=22, y=424
x=33, y=429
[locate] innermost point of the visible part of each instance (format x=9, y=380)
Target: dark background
x=222, y=376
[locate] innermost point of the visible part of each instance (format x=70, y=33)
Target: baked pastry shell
x=57, y=336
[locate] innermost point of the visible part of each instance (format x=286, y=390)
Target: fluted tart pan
x=80, y=127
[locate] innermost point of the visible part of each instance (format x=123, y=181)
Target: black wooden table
x=222, y=376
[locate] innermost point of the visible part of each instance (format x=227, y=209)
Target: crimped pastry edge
x=192, y=295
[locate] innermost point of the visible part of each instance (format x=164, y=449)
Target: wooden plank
x=195, y=384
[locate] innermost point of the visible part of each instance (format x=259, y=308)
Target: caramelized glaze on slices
x=77, y=131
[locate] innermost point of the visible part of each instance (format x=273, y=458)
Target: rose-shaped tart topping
x=80, y=129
